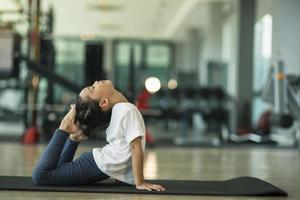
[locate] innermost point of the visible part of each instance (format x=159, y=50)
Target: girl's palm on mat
x=150, y=187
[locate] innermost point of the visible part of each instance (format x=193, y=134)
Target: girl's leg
x=51, y=155
x=56, y=168
x=68, y=152
x=81, y=171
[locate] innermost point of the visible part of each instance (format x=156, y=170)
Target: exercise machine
x=285, y=109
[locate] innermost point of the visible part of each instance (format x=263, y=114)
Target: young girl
x=122, y=158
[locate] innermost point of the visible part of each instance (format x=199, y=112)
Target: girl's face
x=99, y=90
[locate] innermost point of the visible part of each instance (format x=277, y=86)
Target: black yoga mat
x=242, y=186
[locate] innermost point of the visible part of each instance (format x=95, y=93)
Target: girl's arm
x=137, y=167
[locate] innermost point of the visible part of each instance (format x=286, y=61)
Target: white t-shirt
x=114, y=159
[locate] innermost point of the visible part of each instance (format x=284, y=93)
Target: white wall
x=231, y=20
x=214, y=47
x=212, y=40
x=286, y=30
x=189, y=38
x=208, y=18
x=202, y=27
x=286, y=34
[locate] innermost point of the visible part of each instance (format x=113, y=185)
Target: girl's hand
x=150, y=187
x=68, y=123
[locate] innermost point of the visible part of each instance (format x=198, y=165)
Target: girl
x=122, y=158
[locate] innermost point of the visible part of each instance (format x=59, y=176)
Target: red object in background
x=31, y=136
x=150, y=140
x=143, y=100
x=243, y=131
x=142, y=103
x=264, y=122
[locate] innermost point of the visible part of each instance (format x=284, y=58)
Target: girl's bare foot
x=78, y=136
x=68, y=122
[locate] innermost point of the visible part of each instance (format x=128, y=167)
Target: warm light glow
x=150, y=168
x=35, y=81
x=172, y=84
x=152, y=84
x=87, y=36
x=266, y=48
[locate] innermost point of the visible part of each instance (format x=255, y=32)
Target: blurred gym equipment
x=200, y=116
x=34, y=90
x=284, y=117
x=9, y=58
x=9, y=72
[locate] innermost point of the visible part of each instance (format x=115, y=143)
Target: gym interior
x=216, y=81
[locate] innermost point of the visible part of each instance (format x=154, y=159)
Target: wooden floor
x=281, y=167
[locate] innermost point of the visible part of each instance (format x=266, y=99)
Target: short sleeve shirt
x=115, y=158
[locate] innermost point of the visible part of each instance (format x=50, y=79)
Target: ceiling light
x=152, y=84
x=105, y=6
x=86, y=36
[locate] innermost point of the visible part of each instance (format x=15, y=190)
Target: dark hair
x=89, y=116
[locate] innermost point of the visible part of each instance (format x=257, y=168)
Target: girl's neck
x=117, y=97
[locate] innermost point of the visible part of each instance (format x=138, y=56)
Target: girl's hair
x=89, y=116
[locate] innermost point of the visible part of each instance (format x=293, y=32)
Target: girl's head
x=101, y=91
x=93, y=106
x=89, y=115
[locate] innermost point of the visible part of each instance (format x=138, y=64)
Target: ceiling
x=155, y=19
x=113, y=18
x=158, y=19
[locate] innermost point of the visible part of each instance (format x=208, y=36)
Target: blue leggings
x=56, y=165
